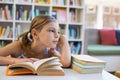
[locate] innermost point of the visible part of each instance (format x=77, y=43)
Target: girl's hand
x=62, y=40
x=19, y=60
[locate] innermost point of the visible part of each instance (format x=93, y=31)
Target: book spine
x=7, y=32
x=21, y=13
x=25, y=15
x=29, y=15
x=3, y=32
x=0, y=30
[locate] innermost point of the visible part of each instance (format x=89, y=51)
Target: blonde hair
x=37, y=23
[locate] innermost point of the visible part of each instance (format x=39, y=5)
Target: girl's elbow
x=66, y=64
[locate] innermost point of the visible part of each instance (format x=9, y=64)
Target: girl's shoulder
x=16, y=44
x=15, y=48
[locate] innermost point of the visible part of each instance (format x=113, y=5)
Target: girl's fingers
x=34, y=59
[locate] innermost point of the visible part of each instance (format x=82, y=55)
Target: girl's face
x=49, y=35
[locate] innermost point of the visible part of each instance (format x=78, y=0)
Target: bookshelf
x=102, y=14
x=17, y=15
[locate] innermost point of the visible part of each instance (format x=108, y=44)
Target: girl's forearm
x=66, y=55
x=6, y=60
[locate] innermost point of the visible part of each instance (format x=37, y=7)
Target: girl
x=38, y=43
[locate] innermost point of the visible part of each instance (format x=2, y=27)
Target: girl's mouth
x=55, y=42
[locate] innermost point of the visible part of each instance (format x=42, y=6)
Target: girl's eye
x=51, y=31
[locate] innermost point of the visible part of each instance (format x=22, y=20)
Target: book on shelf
x=42, y=1
x=44, y=67
x=29, y=16
x=10, y=33
x=6, y=12
x=43, y=12
x=3, y=32
x=18, y=30
x=23, y=1
x=62, y=30
x=78, y=48
x=75, y=47
x=58, y=2
x=25, y=13
x=36, y=12
x=61, y=16
x=74, y=32
x=1, y=13
x=72, y=15
x=3, y=44
x=87, y=64
x=0, y=30
x=54, y=14
x=75, y=2
x=7, y=32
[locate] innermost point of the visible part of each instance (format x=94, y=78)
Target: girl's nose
x=57, y=35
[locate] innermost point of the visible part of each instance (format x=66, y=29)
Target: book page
x=54, y=70
x=42, y=61
x=49, y=64
x=27, y=65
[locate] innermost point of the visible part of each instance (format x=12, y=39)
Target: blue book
x=54, y=14
x=7, y=32
x=78, y=48
x=70, y=32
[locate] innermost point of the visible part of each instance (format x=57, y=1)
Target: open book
x=45, y=67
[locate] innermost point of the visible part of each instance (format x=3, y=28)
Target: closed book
x=88, y=66
x=87, y=60
x=86, y=71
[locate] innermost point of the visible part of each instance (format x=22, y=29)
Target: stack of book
x=87, y=64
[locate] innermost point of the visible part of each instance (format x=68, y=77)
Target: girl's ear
x=34, y=33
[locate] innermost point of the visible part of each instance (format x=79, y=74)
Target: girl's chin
x=53, y=46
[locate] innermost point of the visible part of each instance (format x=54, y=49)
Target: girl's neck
x=38, y=49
